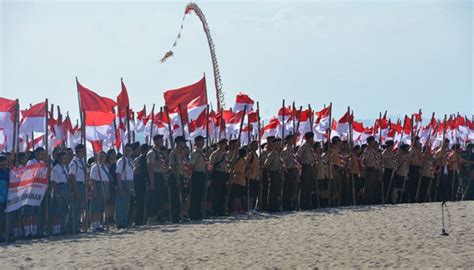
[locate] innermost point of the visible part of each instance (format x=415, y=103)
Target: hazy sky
x=371, y=55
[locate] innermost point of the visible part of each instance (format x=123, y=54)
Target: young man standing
x=124, y=174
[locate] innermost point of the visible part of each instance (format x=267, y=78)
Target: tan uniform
x=253, y=166
x=157, y=159
x=416, y=157
x=198, y=161
x=305, y=154
x=238, y=177
x=274, y=165
x=219, y=160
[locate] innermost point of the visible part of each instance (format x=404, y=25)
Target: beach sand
x=397, y=236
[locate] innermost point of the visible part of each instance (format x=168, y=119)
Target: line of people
x=153, y=184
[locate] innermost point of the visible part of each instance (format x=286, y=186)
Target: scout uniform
x=291, y=174
x=157, y=161
x=306, y=158
x=100, y=177
x=198, y=183
x=274, y=164
x=59, y=205
x=220, y=176
x=122, y=203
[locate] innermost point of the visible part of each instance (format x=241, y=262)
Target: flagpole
x=204, y=201
x=48, y=190
x=283, y=120
x=129, y=135
x=331, y=179
x=15, y=129
x=152, y=123
x=259, y=139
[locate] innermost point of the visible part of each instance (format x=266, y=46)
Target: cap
x=335, y=139
x=309, y=135
x=179, y=139
x=223, y=140
x=199, y=138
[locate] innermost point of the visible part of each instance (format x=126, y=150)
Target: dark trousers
x=219, y=192
x=264, y=191
x=175, y=193
x=306, y=187
x=274, y=191
x=140, y=193
x=289, y=189
x=387, y=189
x=198, y=184
x=425, y=184
x=412, y=185
x=453, y=180
x=156, y=198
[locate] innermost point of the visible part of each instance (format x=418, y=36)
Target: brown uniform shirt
x=305, y=154
x=273, y=161
x=416, y=157
x=253, y=165
x=219, y=160
x=157, y=159
x=388, y=158
x=240, y=167
x=198, y=160
x=288, y=157
x=403, y=163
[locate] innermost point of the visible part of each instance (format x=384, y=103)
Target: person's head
x=336, y=141
x=80, y=150
x=127, y=150
x=270, y=142
x=136, y=148
x=456, y=147
x=242, y=152
x=389, y=144
x=101, y=157
x=371, y=142
x=143, y=148
x=180, y=142
x=111, y=156
x=61, y=158
x=222, y=144
x=199, y=142
x=3, y=162
x=40, y=154
x=356, y=149
x=253, y=146
x=317, y=147
x=22, y=158
x=290, y=140
x=55, y=152
x=69, y=154
x=158, y=141
x=277, y=144
x=309, y=137
x=446, y=143
x=405, y=147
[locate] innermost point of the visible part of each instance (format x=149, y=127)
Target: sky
x=371, y=55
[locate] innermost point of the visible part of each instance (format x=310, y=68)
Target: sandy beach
x=401, y=236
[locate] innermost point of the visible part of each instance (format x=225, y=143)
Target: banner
x=27, y=186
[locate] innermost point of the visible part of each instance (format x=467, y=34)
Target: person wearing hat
x=198, y=164
x=336, y=172
x=253, y=173
x=275, y=167
x=177, y=159
x=77, y=179
x=388, y=162
x=238, y=192
x=124, y=173
x=306, y=158
x=219, y=178
x=291, y=174
x=427, y=174
x=416, y=161
x=401, y=173
x=370, y=161
x=263, y=200
x=157, y=165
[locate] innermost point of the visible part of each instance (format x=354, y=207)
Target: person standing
x=198, y=179
x=291, y=174
x=99, y=189
x=77, y=179
x=176, y=160
x=306, y=158
x=59, y=180
x=220, y=176
x=276, y=167
x=124, y=172
x=158, y=166
x=141, y=175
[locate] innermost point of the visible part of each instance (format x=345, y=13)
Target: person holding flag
x=124, y=172
x=60, y=192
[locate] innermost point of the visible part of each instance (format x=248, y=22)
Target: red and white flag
x=7, y=117
x=34, y=119
x=99, y=129
x=271, y=129
x=192, y=98
x=242, y=100
x=91, y=101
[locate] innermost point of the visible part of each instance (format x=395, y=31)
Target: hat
x=370, y=139
x=309, y=135
x=157, y=136
x=232, y=141
x=270, y=138
x=288, y=137
x=277, y=140
x=179, y=139
x=199, y=138
x=335, y=139
x=389, y=142
x=223, y=140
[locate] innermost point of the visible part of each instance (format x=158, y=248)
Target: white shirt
x=59, y=174
x=125, y=168
x=76, y=167
x=99, y=173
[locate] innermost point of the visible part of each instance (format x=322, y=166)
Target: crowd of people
x=152, y=184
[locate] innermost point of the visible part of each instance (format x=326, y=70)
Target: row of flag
x=106, y=123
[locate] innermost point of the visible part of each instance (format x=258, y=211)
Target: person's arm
x=150, y=161
x=72, y=176
x=118, y=174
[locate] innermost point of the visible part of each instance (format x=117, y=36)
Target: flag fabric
x=7, y=118
x=27, y=186
x=34, y=119
x=91, y=101
x=242, y=100
x=99, y=127
x=192, y=98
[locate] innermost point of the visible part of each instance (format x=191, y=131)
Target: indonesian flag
x=271, y=129
x=233, y=121
x=34, y=119
x=141, y=120
x=241, y=101
x=7, y=117
x=198, y=126
x=342, y=126
x=159, y=123
x=285, y=116
x=90, y=101
x=357, y=132
x=192, y=97
x=322, y=121
x=304, y=123
x=253, y=120
x=3, y=139
x=99, y=128
x=122, y=101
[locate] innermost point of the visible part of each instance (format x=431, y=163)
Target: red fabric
x=287, y=111
x=199, y=122
x=358, y=127
x=190, y=96
x=37, y=110
x=324, y=113
x=122, y=101
x=90, y=101
x=253, y=117
x=346, y=118
x=7, y=105
x=99, y=118
x=407, y=125
x=243, y=98
x=141, y=114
